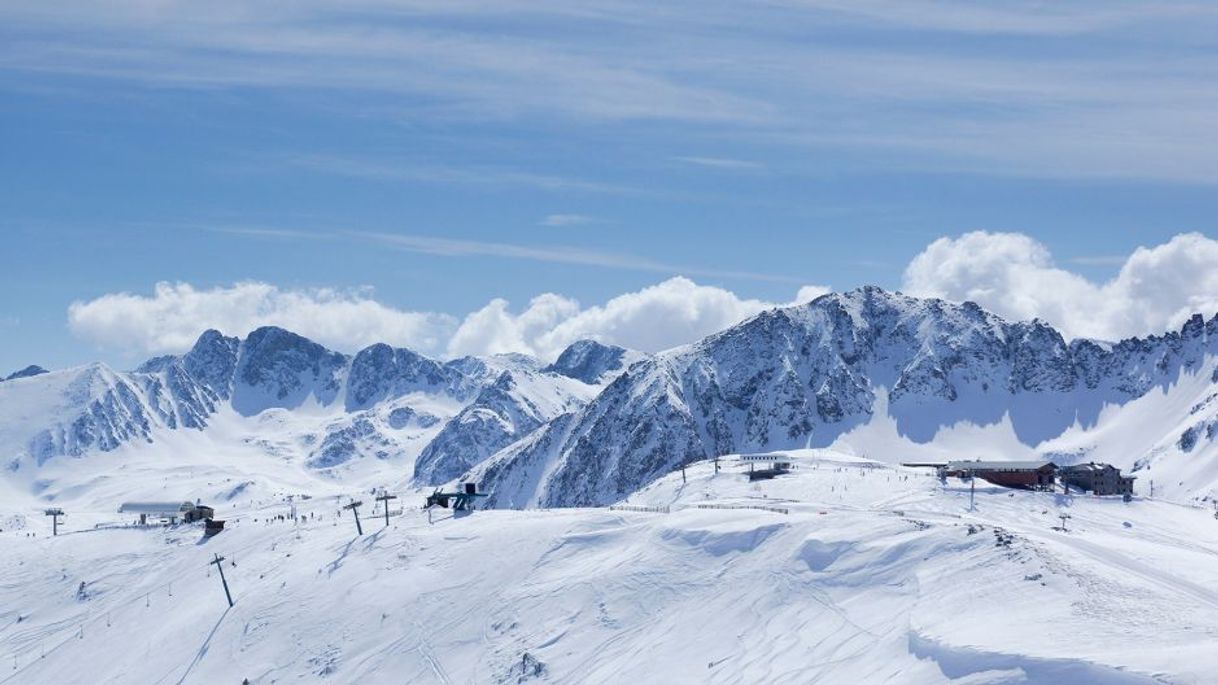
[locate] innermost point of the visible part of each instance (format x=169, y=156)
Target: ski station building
x=1093, y=477
x=1098, y=479
x=776, y=464
x=1029, y=475
x=167, y=511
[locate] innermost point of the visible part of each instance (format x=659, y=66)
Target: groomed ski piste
x=844, y=571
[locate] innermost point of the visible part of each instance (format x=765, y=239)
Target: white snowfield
x=874, y=574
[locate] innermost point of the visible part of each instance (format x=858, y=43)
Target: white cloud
x=176, y=313
x=674, y=312
x=810, y=292
x=1156, y=289
x=670, y=313
x=1013, y=275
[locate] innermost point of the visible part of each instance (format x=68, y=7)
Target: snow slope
x=873, y=574
x=870, y=371
x=367, y=416
x=867, y=372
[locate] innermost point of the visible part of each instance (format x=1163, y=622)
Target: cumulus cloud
x=1156, y=289
x=175, y=314
x=671, y=313
x=1013, y=275
x=674, y=312
x=810, y=292
x=494, y=328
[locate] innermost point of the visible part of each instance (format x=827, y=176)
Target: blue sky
x=433, y=156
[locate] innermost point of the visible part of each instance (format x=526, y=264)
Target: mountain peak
x=380, y=371
x=27, y=372
x=589, y=361
x=212, y=361
x=279, y=368
x=808, y=374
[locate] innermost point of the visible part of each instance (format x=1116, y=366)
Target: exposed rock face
x=382, y=372
x=28, y=372
x=277, y=368
x=515, y=405
x=109, y=413
x=592, y=362
x=212, y=362
x=804, y=375
x=365, y=405
x=601, y=422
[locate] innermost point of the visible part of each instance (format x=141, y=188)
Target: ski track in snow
x=872, y=577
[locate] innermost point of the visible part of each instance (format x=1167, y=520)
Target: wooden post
x=354, y=507
x=220, y=568
x=385, y=497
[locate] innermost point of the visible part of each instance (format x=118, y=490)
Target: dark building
x=1098, y=479
x=199, y=512
x=1030, y=475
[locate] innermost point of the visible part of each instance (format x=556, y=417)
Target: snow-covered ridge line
x=845, y=366
x=371, y=404
x=867, y=371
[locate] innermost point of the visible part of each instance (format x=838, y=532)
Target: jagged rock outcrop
x=382, y=372
x=28, y=372
x=381, y=404
x=804, y=375
x=277, y=368
x=515, y=405
x=601, y=422
x=592, y=362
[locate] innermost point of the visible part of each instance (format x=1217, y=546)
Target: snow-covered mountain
x=880, y=371
x=294, y=399
x=593, y=362
x=870, y=372
x=511, y=407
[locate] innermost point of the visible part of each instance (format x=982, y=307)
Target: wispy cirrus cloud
x=894, y=83
x=560, y=220
x=408, y=171
x=539, y=252
x=561, y=254
x=722, y=163
x=266, y=232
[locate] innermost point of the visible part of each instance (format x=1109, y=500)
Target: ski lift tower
x=54, y=514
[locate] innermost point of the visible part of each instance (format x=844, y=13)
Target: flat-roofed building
x=171, y=511
x=1031, y=475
